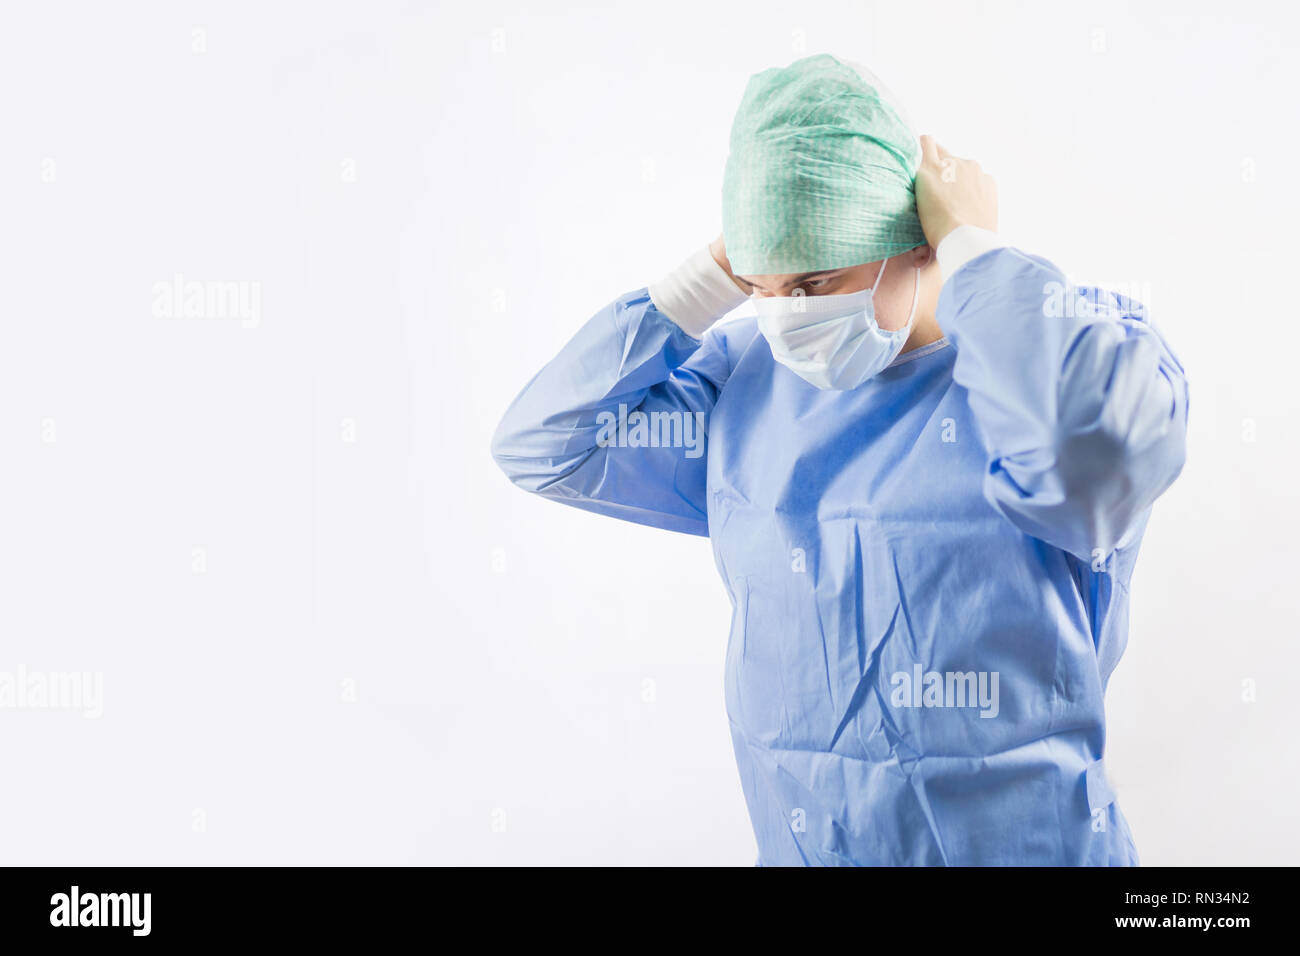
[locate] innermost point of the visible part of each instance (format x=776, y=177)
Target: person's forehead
x=793, y=278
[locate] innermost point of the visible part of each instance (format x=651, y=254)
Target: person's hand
x=718, y=249
x=952, y=192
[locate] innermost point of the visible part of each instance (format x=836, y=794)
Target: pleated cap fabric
x=820, y=172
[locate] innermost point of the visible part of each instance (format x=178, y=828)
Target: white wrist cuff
x=962, y=245
x=696, y=294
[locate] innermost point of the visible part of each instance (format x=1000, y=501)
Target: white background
x=514, y=171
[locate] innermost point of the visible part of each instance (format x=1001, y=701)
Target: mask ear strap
x=880, y=275
x=916, y=297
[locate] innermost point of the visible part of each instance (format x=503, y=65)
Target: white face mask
x=832, y=341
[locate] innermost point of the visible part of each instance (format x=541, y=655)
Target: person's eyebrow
x=801, y=278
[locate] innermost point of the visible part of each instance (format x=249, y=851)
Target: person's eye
x=822, y=283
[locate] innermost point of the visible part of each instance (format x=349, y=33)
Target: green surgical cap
x=820, y=172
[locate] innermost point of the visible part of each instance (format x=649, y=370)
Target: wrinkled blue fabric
x=976, y=507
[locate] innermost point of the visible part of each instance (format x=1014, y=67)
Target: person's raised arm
x=616, y=423
x=1081, y=403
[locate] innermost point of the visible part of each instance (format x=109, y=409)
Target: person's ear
x=922, y=256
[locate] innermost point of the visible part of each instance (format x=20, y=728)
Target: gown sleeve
x=617, y=422
x=1080, y=401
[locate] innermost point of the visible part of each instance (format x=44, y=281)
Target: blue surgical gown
x=974, y=509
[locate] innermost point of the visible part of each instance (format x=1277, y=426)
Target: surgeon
x=926, y=463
